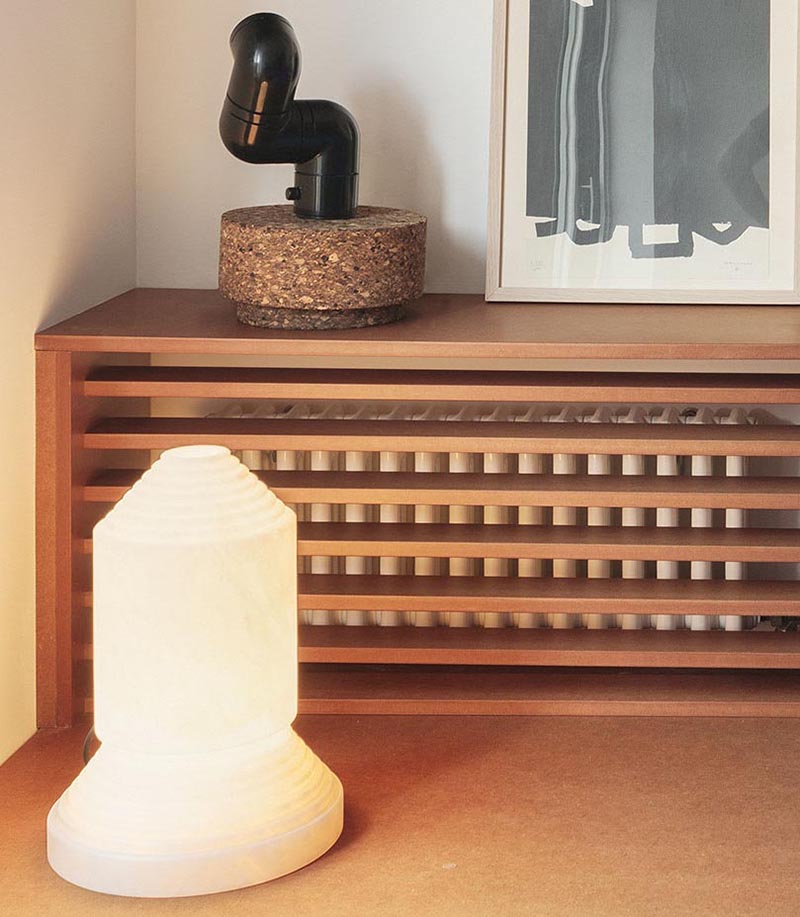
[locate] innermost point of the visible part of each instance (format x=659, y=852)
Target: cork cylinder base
x=281, y=271
x=330, y=319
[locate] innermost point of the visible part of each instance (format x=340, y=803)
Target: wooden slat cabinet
x=100, y=380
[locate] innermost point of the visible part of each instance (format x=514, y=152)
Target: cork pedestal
x=282, y=271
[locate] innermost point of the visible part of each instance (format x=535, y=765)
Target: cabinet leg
x=53, y=539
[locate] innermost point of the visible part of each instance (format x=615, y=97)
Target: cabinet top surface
x=439, y=325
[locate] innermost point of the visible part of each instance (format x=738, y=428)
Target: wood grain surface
x=455, y=816
x=440, y=325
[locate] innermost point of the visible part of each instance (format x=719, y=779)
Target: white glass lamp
x=200, y=784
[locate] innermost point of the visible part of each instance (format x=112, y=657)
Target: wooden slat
x=542, y=647
x=340, y=592
x=440, y=326
x=523, y=692
x=475, y=646
x=545, y=647
x=322, y=539
x=646, y=542
x=568, y=542
x=446, y=436
x=500, y=489
x=438, y=385
x=571, y=596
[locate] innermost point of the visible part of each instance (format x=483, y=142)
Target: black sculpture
x=261, y=121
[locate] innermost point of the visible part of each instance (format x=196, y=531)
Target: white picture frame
x=523, y=265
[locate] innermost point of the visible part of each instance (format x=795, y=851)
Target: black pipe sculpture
x=262, y=122
x=325, y=262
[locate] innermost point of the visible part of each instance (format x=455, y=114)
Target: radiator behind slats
x=527, y=464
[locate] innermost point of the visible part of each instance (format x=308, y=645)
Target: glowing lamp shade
x=200, y=784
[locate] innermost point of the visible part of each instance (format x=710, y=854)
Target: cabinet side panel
x=53, y=539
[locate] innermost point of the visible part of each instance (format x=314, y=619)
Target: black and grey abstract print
x=648, y=113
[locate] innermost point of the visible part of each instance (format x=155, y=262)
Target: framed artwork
x=644, y=151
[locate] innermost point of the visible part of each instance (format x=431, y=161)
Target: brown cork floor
x=492, y=816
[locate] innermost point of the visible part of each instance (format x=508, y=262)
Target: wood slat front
x=439, y=385
x=546, y=647
x=572, y=596
x=445, y=436
x=342, y=539
x=475, y=594
x=567, y=542
x=336, y=644
x=399, y=488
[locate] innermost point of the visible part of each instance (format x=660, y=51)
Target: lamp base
x=308, y=319
x=164, y=826
x=281, y=271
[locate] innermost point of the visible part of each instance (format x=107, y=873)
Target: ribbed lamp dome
x=200, y=784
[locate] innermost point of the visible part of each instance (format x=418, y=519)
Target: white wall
x=416, y=75
x=67, y=241
x=76, y=169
